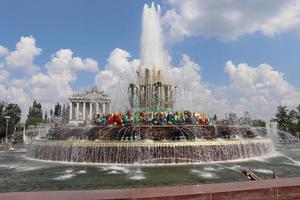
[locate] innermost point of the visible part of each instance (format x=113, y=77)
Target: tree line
x=59, y=115
x=13, y=111
x=288, y=120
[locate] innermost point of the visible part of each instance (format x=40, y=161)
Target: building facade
x=86, y=105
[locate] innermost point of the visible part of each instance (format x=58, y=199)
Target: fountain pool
x=18, y=173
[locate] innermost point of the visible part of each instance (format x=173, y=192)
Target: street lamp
x=7, y=118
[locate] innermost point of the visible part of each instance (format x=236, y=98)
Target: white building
x=86, y=105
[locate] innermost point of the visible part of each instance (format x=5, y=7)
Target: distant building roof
x=90, y=95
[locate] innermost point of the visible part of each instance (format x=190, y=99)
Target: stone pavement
x=283, y=189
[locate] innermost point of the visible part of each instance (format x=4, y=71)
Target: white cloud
x=192, y=93
x=3, y=51
x=116, y=76
x=23, y=57
x=230, y=19
x=4, y=75
x=63, y=60
x=17, y=95
x=257, y=89
x=51, y=88
x=48, y=87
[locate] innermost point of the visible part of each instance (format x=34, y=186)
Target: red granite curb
x=283, y=189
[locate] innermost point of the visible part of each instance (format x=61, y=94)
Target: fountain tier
x=148, y=152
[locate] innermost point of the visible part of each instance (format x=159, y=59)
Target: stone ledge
x=284, y=188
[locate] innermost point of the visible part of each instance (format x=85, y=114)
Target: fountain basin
x=148, y=152
x=147, y=132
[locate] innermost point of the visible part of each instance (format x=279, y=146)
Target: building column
x=77, y=110
x=83, y=110
x=109, y=107
x=91, y=111
x=97, y=108
x=103, y=107
x=71, y=111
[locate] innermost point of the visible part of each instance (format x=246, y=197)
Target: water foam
x=67, y=174
x=209, y=169
x=137, y=175
x=20, y=168
x=64, y=177
x=117, y=169
x=263, y=171
x=204, y=174
x=81, y=172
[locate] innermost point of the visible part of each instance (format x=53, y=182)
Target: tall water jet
x=152, y=51
x=151, y=92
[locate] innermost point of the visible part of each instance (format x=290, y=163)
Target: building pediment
x=91, y=95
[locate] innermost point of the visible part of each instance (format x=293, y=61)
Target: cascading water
x=148, y=153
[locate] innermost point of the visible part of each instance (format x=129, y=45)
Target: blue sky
x=94, y=29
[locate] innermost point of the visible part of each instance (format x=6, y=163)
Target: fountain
x=154, y=143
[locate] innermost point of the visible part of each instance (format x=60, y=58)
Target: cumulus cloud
x=257, y=89
x=116, y=76
x=22, y=58
x=230, y=19
x=63, y=60
x=49, y=87
x=4, y=75
x=192, y=92
x=3, y=51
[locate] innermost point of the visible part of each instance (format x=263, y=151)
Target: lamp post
x=7, y=118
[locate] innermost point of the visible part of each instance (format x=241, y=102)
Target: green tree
x=57, y=110
x=282, y=118
x=14, y=112
x=232, y=118
x=258, y=123
x=65, y=114
x=35, y=114
x=292, y=122
x=298, y=119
